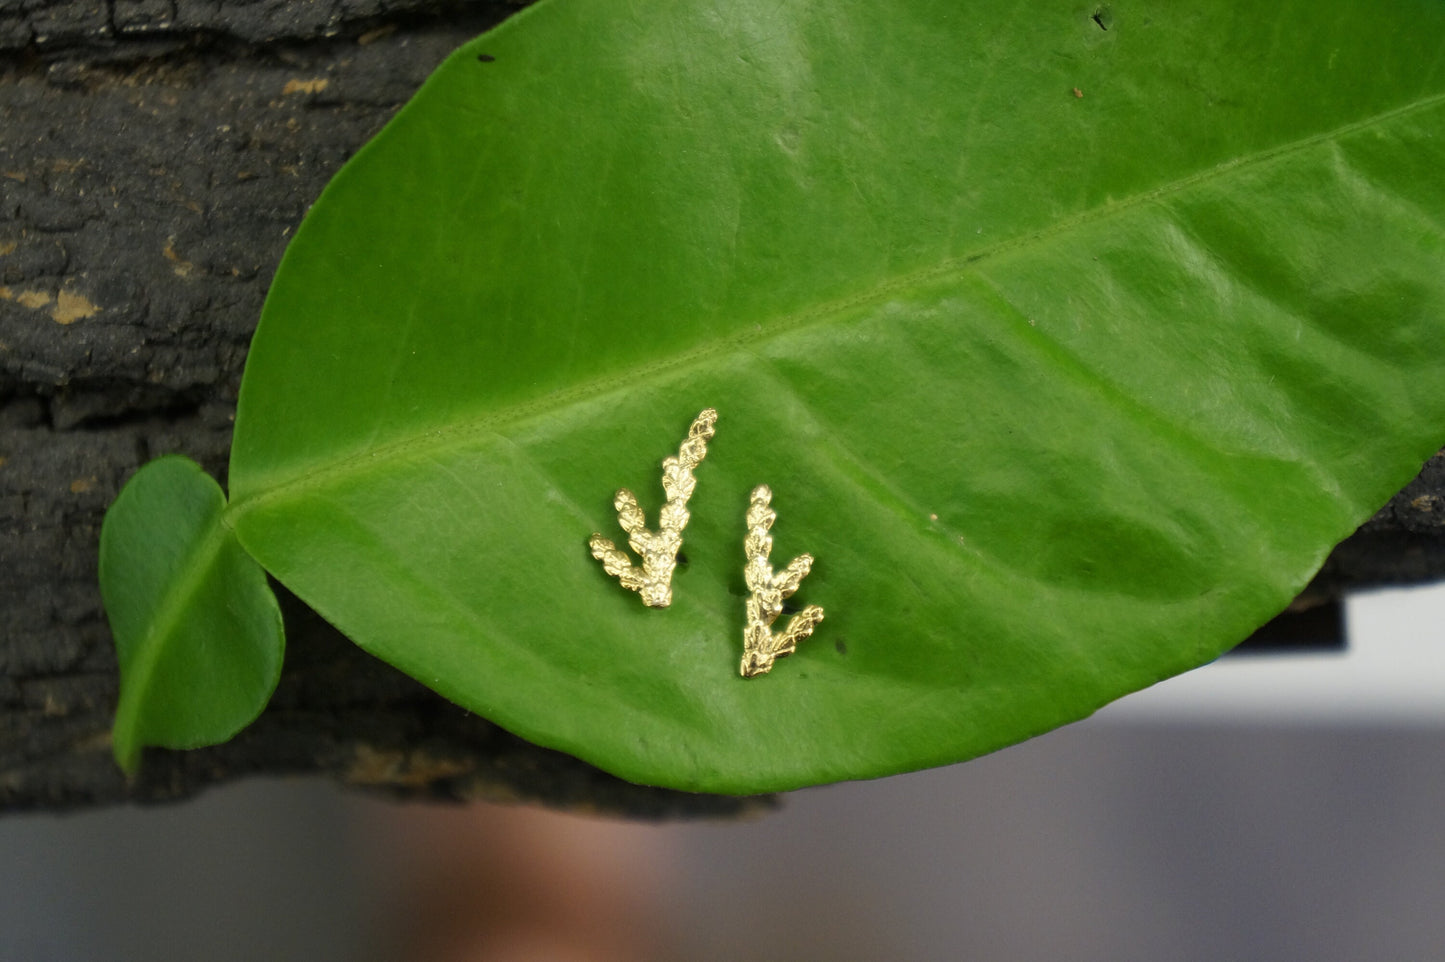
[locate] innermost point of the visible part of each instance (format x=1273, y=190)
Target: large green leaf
x=1068, y=351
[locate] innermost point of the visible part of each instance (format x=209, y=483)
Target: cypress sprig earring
x=768, y=590
x=657, y=549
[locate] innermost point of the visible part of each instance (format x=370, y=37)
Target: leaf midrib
x=440, y=439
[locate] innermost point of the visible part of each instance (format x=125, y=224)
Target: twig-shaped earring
x=768, y=590
x=658, y=550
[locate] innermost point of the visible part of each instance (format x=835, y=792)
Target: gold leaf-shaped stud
x=768, y=590
x=657, y=549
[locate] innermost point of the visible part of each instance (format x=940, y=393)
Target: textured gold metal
x=768, y=590
x=657, y=549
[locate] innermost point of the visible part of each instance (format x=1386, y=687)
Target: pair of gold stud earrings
x=652, y=579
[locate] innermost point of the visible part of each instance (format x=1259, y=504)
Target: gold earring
x=768, y=590
x=658, y=550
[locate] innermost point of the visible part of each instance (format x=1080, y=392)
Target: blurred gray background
x=1266, y=807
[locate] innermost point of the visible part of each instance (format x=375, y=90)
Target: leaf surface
x=1068, y=352
x=197, y=629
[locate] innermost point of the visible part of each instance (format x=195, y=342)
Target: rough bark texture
x=155, y=155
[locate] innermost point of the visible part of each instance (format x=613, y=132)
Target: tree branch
x=157, y=156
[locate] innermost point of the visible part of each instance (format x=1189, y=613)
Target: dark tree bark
x=155, y=155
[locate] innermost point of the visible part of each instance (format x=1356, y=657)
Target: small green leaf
x=197, y=629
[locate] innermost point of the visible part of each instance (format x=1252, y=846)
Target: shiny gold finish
x=658, y=550
x=768, y=590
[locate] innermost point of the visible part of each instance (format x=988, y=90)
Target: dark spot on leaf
x=488, y=58
x=790, y=608
x=682, y=560
x=841, y=646
x=1104, y=17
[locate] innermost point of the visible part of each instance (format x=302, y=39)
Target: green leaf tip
x=198, y=633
